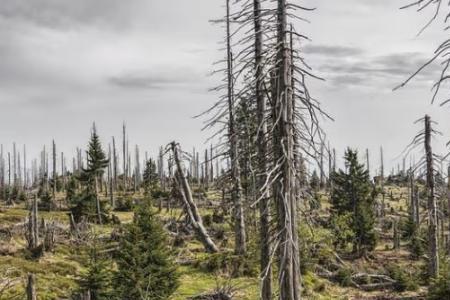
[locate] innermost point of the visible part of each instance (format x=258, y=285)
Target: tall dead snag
x=432, y=211
x=236, y=194
x=2, y=174
x=25, y=175
x=31, y=289
x=10, y=201
x=261, y=140
x=428, y=164
x=54, y=172
x=114, y=163
x=383, y=208
x=33, y=227
x=414, y=198
x=189, y=203
x=284, y=187
x=367, y=160
x=448, y=206
x=63, y=172
x=124, y=153
x=110, y=178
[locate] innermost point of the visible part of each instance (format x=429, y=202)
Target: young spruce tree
x=97, y=279
x=353, y=201
x=89, y=204
x=145, y=269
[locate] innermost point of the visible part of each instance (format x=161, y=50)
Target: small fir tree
x=145, y=269
x=352, y=194
x=88, y=203
x=97, y=279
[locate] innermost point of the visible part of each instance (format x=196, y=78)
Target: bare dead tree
x=441, y=55
x=115, y=163
x=110, y=177
x=190, y=206
x=367, y=160
x=124, y=153
x=31, y=289
x=383, y=194
x=226, y=115
x=33, y=227
x=292, y=124
x=428, y=164
x=2, y=173
x=25, y=178
x=54, y=171
x=262, y=152
x=432, y=210
x=9, y=200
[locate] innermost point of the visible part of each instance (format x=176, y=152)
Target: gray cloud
x=160, y=78
x=382, y=71
x=332, y=50
x=67, y=13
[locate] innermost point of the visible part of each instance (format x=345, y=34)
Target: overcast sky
x=65, y=64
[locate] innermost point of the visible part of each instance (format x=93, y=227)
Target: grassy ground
x=57, y=272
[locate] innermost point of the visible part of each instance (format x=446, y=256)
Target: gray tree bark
x=31, y=289
x=264, y=207
x=284, y=188
x=432, y=213
x=191, y=207
x=236, y=194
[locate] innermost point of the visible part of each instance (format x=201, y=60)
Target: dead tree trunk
x=284, y=187
x=97, y=201
x=432, y=213
x=383, y=208
x=236, y=195
x=31, y=289
x=321, y=166
x=448, y=199
x=2, y=174
x=25, y=179
x=124, y=150
x=54, y=172
x=396, y=235
x=191, y=207
x=114, y=163
x=110, y=178
x=63, y=172
x=264, y=207
x=33, y=227
x=10, y=201
x=367, y=160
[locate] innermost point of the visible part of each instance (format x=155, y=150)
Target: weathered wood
x=284, y=188
x=190, y=206
x=432, y=211
x=236, y=194
x=261, y=140
x=31, y=289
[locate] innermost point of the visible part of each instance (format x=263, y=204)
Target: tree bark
x=97, y=201
x=284, y=188
x=264, y=207
x=432, y=213
x=31, y=289
x=191, y=207
x=236, y=194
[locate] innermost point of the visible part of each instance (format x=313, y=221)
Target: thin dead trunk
x=236, y=194
x=264, y=207
x=31, y=289
x=191, y=207
x=432, y=213
x=284, y=188
x=97, y=201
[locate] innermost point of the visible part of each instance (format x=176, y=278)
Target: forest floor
x=57, y=272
